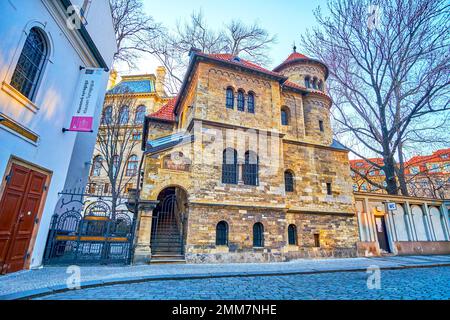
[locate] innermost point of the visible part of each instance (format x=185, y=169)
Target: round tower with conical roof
x=311, y=75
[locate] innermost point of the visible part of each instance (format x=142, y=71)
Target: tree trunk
x=389, y=170
x=401, y=171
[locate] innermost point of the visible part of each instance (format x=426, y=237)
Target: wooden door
x=19, y=207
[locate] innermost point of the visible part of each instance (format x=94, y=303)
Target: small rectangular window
x=329, y=190
x=317, y=240
x=321, y=125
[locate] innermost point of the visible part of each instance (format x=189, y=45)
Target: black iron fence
x=86, y=229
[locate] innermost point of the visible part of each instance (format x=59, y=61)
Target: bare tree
x=133, y=28
x=389, y=76
x=116, y=143
x=172, y=48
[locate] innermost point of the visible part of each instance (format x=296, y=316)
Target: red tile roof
x=238, y=61
x=166, y=112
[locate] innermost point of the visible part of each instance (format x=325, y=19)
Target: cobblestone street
x=420, y=283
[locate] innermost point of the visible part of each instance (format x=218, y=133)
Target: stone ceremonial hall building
x=241, y=167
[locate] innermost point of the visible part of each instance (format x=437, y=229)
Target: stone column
x=445, y=221
x=428, y=223
x=142, y=250
x=410, y=222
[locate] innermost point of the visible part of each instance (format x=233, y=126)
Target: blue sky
x=288, y=19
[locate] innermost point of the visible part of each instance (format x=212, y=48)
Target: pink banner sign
x=81, y=124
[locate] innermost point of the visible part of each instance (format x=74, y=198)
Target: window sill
x=14, y=93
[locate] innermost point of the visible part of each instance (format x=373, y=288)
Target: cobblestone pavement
x=48, y=279
x=422, y=283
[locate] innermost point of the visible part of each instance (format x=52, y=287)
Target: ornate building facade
x=127, y=102
x=242, y=167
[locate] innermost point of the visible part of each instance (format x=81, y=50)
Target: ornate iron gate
x=89, y=231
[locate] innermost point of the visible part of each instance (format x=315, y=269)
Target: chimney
x=160, y=81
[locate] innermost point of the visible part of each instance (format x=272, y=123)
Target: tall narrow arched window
x=230, y=98
x=284, y=117
x=320, y=85
x=229, y=166
x=140, y=115
x=97, y=166
x=307, y=82
x=251, y=102
x=314, y=84
x=124, y=115
x=240, y=100
x=107, y=115
x=288, y=181
x=222, y=234
x=31, y=63
x=132, y=166
x=292, y=235
x=250, y=169
x=258, y=235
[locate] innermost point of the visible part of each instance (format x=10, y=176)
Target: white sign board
x=392, y=206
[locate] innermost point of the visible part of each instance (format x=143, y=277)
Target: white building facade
x=44, y=49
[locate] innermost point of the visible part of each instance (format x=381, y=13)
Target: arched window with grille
x=250, y=169
x=107, y=115
x=97, y=166
x=222, y=234
x=284, y=116
x=240, y=101
x=31, y=64
x=251, y=102
x=292, y=235
x=320, y=85
x=288, y=181
x=229, y=166
x=140, y=115
x=230, y=98
x=124, y=115
x=314, y=84
x=132, y=166
x=258, y=235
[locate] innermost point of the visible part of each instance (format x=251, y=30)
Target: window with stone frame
x=284, y=116
x=124, y=115
x=258, y=235
x=97, y=166
x=251, y=102
x=240, y=101
x=229, y=166
x=132, y=166
x=31, y=64
x=308, y=82
x=250, y=169
x=292, y=235
x=107, y=115
x=288, y=181
x=222, y=234
x=140, y=115
x=230, y=98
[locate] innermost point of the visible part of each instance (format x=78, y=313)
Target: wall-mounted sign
x=85, y=100
x=392, y=206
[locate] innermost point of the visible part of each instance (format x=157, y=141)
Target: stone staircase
x=167, y=243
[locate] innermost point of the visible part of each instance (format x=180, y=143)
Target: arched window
x=288, y=181
x=292, y=234
x=222, y=234
x=132, y=166
x=284, y=117
x=240, y=101
x=30, y=64
x=140, y=115
x=258, y=235
x=314, y=84
x=320, y=85
x=124, y=115
x=115, y=165
x=251, y=102
x=229, y=166
x=230, y=98
x=107, y=115
x=307, y=82
x=97, y=166
x=250, y=169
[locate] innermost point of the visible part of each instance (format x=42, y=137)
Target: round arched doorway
x=169, y=223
